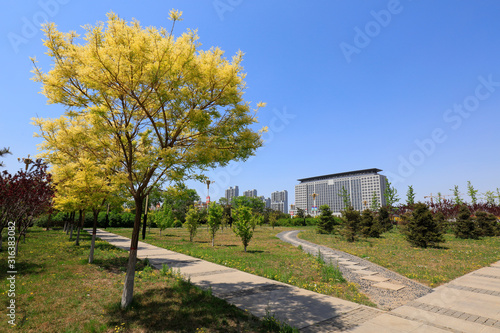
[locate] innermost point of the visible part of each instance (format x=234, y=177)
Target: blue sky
x=409, y=87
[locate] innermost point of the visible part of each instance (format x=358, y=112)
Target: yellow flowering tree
x=169, y=109
x=82, y=170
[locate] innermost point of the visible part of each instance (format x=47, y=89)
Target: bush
x=383, y=219
x=368, y=226
x=327, y=222
x=351, y=219
x=486, y=224
x=465, y=227
x=422, y=229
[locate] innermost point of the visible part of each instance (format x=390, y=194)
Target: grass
x=266, y=256
x=58, y=291
x=430, y=266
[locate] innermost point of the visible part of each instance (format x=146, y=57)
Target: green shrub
x=422, y=229
x=368, y=226
x=351, y=219
x=327, y=222
x=465, y=226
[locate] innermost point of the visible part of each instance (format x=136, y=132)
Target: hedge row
x=297, y=222
x=118, y=220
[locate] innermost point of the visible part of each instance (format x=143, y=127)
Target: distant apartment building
x=279, y=201
x=250, y=193
x=361, y=187
x=266, y=201
x=231, y=192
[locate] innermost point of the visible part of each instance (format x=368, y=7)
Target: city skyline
x=411, y=87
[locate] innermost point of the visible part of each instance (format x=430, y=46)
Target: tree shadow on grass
x=181, y=307
x=22, y=268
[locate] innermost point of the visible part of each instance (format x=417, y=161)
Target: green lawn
x=58, y=291
x=430, y=266
x=266, y=256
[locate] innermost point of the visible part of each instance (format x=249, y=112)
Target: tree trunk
x=145, y=220
x=80, y=226
x=94, y=233
x=48, y=222
x=144, y=226
x=106, y=224
x=71, y=233
x=128, y=287
x=70, y=219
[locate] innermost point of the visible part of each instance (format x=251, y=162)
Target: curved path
x=469, y=304
x=386, y=288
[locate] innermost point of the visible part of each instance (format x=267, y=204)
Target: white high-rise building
x=230, y=193
x=361, y=187
x=279, y=201
x=250, y=193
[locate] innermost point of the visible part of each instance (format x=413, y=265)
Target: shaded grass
x=266, y=256
x=430, y=266
x=58, y=291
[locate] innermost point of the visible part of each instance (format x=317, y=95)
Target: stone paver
x=388, y=285
x=364, y=272
x=375, y=278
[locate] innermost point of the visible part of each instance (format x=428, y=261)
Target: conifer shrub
x=326, y=222
x=422, y=229
x=351, y=219
x=465, y=226
x=384, y=219
x=368, y=226
x=485, y=224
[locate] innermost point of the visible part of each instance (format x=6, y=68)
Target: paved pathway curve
x=386, y=288
x=468, y=304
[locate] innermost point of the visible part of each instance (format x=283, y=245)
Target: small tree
x=227, y=218
x=390, y=194
x=489, y=197
x=326, y=222
x=345, y=197
x=384, y=219
x=485, y=224
x=242, y=225
x=472, y=192
x=165, y=218
x=368, y=226
x=214, y=219
x=257, y=219
x=272, y=219
x=465, y=226
x=351, y=219
x=456, y=194
x=421, y=229
x=410, y=196
x=192, y=222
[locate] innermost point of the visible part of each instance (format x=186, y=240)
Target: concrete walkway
x=468, y=304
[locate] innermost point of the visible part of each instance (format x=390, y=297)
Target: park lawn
x=266, y=256
x=58, y=291
x=430, y=266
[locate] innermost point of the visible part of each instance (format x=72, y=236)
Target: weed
x=273, y=324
